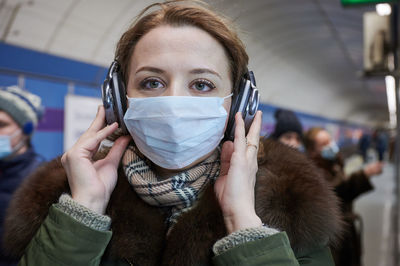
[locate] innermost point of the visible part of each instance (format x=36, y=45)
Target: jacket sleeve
x=355, y=185
x=272, y=250
x=62, y=240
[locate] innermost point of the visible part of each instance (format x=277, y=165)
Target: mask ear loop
x=21, y=143
x=228, y=96
x=15, y=133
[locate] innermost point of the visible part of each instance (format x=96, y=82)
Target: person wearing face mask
x=173, y=191
x=19, y=116
x=288, y=129
x=321, y=148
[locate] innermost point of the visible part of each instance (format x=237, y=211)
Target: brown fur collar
x=290, y=196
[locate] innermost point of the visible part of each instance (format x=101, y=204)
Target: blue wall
x=48, y=76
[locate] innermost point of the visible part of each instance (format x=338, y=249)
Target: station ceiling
x=307, y=55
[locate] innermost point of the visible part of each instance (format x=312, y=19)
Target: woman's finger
x=116, y=151
x=90, y=141
x=240, y=134
x=253, y=136
x=105, y=132
x=100, y=121
x=226, y=154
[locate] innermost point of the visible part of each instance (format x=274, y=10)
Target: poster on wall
x=79, y=113
x=377, y=39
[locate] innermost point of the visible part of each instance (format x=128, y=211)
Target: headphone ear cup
x=245, y=102
x=108, y=95
x=120, y=102
x=114, y=96
x=236, y=100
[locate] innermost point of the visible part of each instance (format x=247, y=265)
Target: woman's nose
x=176, y=89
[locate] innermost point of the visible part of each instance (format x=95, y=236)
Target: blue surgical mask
x=5, y=145
x=175, y=131
x=301, y=149
x=330, y=151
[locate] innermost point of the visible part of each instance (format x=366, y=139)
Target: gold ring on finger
x=252, y=145
x=249, y=144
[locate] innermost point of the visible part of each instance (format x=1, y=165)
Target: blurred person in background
x=392, y=147
x=364, y=144
x=288, y=129
x=321, y=148
x=20, y=112
x=381, y=140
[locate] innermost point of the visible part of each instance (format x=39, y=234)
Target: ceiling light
x=383, y=9
x=391, y=98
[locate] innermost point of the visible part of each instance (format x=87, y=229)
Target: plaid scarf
x=180, y=191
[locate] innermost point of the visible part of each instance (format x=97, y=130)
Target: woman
x=325, y=153
x=155, y=208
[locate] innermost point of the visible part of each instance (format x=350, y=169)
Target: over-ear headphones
x=246, y=102
x=114, y=96
x=115, y=103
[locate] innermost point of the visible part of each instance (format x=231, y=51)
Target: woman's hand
x=235, y=186
x=372, y=169
x=92, y=183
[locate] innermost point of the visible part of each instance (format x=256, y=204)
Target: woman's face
x=179, y=61
x=291, y=139
x=8, y=127
x=322, y=139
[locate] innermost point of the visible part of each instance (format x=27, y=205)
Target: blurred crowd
x=318, y=144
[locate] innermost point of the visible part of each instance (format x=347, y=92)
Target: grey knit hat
x=24, y=107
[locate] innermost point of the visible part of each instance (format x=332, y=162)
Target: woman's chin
x=165, y=172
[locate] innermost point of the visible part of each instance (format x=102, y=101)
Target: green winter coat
x=61, y=235
x=290, y=194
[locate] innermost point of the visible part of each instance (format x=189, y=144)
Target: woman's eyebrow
x=151, y=69
x=193, y=71
x=204, y=70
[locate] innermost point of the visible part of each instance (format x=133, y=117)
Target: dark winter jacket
x=290, y=196
x=12, y=172
x=348, y=252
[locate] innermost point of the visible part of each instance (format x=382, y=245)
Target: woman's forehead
x=184, y=46
x=323, y=137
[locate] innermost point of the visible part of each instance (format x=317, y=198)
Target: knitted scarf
x=180, y=191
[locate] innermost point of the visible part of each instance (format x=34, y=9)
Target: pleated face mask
x=175, y=131
x=330, y=151
x=5, y=144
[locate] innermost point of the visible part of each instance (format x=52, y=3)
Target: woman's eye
x=203, y=86
x=151, y=84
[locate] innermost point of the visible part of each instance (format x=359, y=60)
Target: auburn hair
x=185, y=13
x=309, y=137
